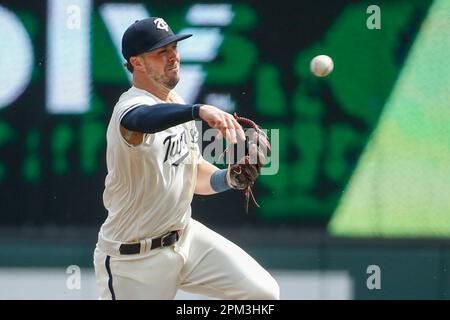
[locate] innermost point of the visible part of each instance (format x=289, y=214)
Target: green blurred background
x=363, y=165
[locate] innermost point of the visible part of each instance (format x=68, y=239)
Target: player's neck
x=156, y=89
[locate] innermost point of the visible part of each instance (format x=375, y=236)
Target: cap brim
x=169, y=39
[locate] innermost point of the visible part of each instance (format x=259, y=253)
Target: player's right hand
x=227, y=125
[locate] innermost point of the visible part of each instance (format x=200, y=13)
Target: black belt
x=164, y=241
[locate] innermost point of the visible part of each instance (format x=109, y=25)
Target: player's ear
x=137, y=63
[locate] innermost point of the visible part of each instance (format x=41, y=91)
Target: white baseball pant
x=201, y=262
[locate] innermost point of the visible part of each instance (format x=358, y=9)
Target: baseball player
x=149, y=245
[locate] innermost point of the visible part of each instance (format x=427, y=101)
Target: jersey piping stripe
x=110, y=280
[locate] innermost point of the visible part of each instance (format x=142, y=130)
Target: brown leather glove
x=244, y=173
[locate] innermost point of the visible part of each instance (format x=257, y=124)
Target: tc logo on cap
x=161, y=24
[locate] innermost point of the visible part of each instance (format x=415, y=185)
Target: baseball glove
x=244, y=173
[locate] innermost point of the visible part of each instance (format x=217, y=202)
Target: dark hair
x=129, y=66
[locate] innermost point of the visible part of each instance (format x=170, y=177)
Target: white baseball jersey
x=149, y=187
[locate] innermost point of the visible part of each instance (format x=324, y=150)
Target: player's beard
x=171, y=81
x=168, y=81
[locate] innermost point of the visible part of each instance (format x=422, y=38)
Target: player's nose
x=173, y=54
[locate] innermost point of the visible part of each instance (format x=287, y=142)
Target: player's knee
x=267, y=290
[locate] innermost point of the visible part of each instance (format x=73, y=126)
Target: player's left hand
x=243, y=174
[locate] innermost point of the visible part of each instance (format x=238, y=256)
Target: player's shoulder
x=134, y=96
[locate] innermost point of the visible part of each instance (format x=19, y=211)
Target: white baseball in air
x=321, y=65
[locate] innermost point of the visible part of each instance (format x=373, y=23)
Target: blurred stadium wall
x=363, y=153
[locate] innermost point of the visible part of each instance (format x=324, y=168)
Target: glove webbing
x=249, y=123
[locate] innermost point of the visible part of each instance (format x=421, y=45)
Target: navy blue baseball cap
x=147, y=35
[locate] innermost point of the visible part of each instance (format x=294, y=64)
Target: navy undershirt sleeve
x=159, y=117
